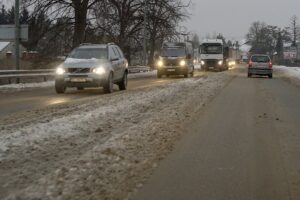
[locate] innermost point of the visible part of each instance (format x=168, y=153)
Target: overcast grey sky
x=234, y=17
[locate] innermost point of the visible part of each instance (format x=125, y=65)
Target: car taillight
x=250, y=63
x=270, y=65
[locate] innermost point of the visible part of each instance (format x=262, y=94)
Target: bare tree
x=77, y=10
x=294, y=29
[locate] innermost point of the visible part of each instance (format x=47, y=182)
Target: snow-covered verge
x=102, y=149
x=26, y=86
x=291, y=74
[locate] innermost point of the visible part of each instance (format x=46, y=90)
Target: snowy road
x=15, y=99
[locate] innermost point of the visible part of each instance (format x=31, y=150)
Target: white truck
x=212, y=55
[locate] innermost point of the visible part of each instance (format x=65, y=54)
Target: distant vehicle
x=176, y=59
x=213, y=55
x=260, y=65
x=93, y=65
x=234, y=56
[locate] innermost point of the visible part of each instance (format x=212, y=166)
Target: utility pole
x=145, y=33
x=17, y=34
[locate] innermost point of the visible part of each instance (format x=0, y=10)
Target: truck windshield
x=211, y=48
x=173, y=52
x=89, y=53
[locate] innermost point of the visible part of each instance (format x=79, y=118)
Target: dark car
x=176, y=59
x=260, y=65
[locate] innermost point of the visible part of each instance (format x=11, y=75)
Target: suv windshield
x=211, y=49
x=173, y=52
x=89, y=53
x=262, y=59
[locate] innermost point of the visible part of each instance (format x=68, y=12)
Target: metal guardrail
x=16, y=76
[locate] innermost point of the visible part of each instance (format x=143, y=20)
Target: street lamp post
x=17, y=35
x=145, y=34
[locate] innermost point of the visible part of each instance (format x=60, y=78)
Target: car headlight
x=182, y=63
x=233, y=63
x=202, y=62
x=160, y=63
x=99, y=70
x=220, y=62
x=60, y=71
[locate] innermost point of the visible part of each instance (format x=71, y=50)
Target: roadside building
x=289, y=52
x=7, y=49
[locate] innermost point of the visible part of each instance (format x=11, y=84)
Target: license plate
x=78, y=80
x=171, y=70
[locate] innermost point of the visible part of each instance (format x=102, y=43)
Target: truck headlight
x=220, y=62
x=160, y=63
x=99, y=70
x=202, y=62
x=60, y=71
x=182, y=63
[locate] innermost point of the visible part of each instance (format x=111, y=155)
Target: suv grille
x=79, y=70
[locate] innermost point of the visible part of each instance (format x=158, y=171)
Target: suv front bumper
x=82, y=80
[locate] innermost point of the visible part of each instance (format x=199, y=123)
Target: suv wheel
x=192, y=73
x=159, y=74
x=270, y=75
x=109, y=85
x=123, y=83
x=60, y=87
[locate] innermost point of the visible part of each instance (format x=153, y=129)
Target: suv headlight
x=99, y=70
x=60, y=71
x=160, y=63
x=202, y=62
x=182, y=63
x=220, y=62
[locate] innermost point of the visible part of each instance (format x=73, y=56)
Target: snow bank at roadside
x=104, y=148
x=24, y=86
x=290, y=73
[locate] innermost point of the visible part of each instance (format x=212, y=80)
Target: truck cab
x=212, y=55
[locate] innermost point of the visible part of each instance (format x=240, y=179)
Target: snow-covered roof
x=287, y=44
x=3, y=45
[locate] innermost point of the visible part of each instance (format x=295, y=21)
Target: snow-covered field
x=102, y=149
x=24, y=86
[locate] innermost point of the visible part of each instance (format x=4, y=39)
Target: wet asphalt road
x=245, y=145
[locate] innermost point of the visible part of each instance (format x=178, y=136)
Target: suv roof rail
x=111, y=43
x=82, y=44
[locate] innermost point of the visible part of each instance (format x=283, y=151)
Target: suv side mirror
x=114, y=59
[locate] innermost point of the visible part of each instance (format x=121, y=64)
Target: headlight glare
x=202, y=62
x=160, y=63
x=182, y=63
x=99, y=70
x=60, y=71
x=220, y=62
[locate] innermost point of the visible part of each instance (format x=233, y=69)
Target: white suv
x=93, y=65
